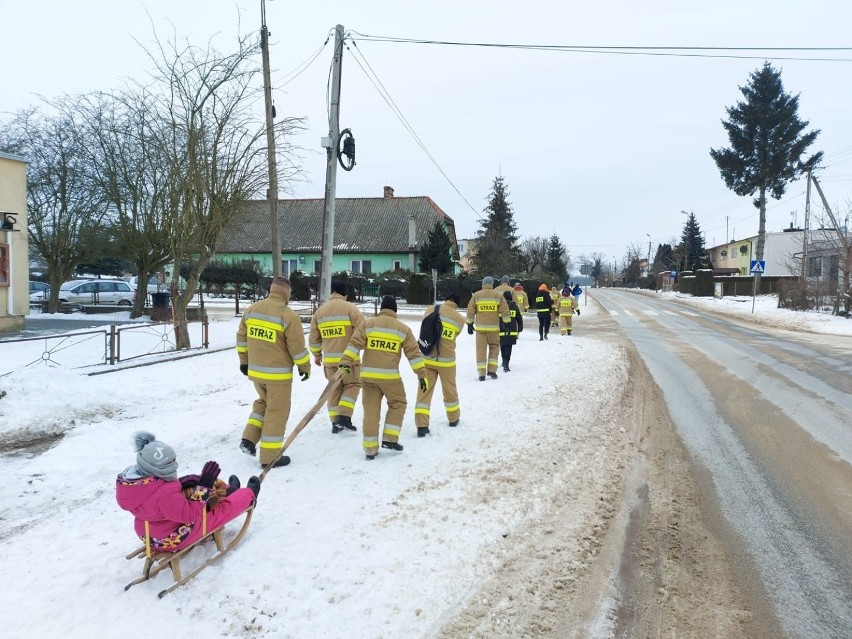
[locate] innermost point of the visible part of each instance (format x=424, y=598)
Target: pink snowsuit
x=174, y=521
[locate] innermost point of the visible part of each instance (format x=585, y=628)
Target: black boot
x=254, y=486
x=422, y=431
x=233, y=484
x=281, y=461
x=371, y=457
x=482, y=378
x=455, y=423
x=492, y=375
x=392, y=445
x=344, y=421
x=247, y=447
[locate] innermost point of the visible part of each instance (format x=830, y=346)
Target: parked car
x=39, y=291
x=96, y=292
x=154, y=285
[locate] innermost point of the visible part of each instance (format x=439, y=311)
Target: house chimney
x=388, y=191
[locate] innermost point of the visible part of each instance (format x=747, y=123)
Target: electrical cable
x=383, y=92
x=300, y=69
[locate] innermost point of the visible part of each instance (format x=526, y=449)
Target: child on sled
x=174, y=512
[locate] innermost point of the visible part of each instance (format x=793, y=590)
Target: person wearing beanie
x=566, y=305
x=383, y=339
x=521, y=297
x=441, y=364
x=174, y=512
x=505, y=286
x=332, y=326
x=270, y=343
x=509, y=330
x=484, y=312
x=543, y=306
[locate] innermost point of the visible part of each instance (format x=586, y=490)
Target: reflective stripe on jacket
x=486, y=308
x=332, y=326
x=383, y=340
x=452, y=323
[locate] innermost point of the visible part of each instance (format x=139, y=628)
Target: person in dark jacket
x=543, y=305
x=509, y=330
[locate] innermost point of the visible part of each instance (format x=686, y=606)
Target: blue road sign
x=757, y=266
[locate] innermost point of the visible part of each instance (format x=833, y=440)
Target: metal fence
x=110, y=345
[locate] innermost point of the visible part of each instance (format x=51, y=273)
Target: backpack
x=430, y=332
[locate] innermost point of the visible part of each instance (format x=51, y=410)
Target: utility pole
x=330, y=143
x=805, y=243
x=272, y=191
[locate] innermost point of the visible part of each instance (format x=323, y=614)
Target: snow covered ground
x=339, y=547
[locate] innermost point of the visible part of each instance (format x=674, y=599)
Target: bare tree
x=213, y=145
x=533, y=252
x=64, y=206
x=130, y=171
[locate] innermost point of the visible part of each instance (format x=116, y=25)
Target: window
x=288, y=267
x=834, y=268
x=397, y=265
x=364, y=267
x=460, y=247
x=5, y=276
x=815, y=266
x=317, y=266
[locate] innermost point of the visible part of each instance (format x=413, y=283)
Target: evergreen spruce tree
x=767, y=143
x=557, y=262
x=497, y=251
x=693, y=244
x=436, y=252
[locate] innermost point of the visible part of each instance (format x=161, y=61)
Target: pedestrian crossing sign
x=758, y=266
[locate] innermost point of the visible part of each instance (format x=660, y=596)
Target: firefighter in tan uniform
x=270, y=342
x=485, y=310
x=522, y=298
x=567, y=304
x=332, y=326
x=505, y=286
x=441, y=364
x=554, y=310
x=383, y=339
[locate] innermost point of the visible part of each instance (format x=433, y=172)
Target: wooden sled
x=155, y=561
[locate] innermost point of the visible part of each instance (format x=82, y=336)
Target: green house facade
x=371, y=235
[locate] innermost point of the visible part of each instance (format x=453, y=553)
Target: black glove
x=244, y=369
x=189, y=481
x=305, y=376
x=470, y=329
x=578, y=311
x=424, y=384
x=209, y=474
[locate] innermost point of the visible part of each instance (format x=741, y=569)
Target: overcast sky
x=602, y=149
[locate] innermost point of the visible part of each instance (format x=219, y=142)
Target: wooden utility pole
x=804, y=282
x=331, y=143
x=272, y=191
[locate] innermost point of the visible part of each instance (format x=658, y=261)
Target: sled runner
x=155, y=561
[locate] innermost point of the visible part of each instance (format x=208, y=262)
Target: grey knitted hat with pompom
x=154, y=457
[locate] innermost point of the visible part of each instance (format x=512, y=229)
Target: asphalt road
x=766, y=417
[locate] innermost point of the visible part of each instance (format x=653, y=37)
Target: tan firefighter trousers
x=342, y=402
x=489, y=341
x=566, y=324
x=447, y=375
x=268, y=419
x=372, y=392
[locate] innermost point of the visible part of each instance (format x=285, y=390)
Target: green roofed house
x=371, y=234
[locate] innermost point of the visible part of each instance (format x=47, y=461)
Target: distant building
x=466, y=251
x=371, y=234
x=14, y=243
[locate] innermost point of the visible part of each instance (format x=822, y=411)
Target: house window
x=317, y=266
x=5, y=276
x=397, y=265
x=363, y=267
x=834, y=268
x=815, y=266
x=460, y=248
x=288, y=267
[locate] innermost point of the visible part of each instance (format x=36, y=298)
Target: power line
x=383, y=92
x=664, y=51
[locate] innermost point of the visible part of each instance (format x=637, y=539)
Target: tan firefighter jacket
x=270, y=339
x=383, y=339
x=486, y=307
x=505, y=287
x=522, y=300
x=567, y=304
x=452, y=323
x=332, y=326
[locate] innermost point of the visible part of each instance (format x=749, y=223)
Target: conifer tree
x=497, y=251
x=693, y=244
x=767, y=143
x=557, y=262
x=436, y=252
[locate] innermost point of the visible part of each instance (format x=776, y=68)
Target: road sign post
x=757, y=267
